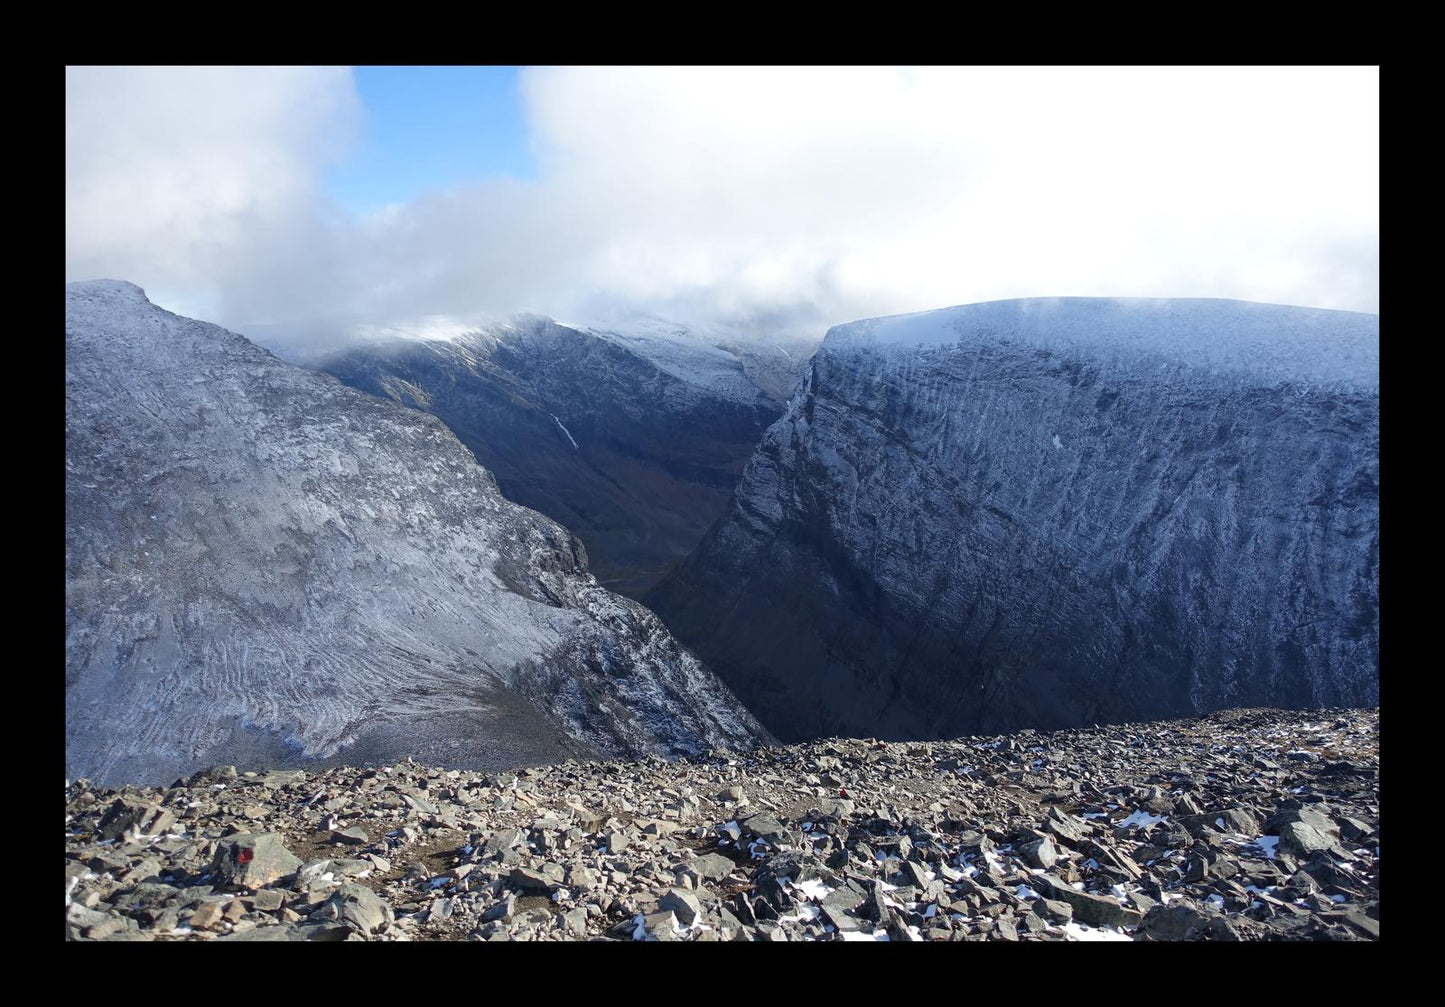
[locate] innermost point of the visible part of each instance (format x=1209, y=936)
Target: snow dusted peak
x=105, y=290
x=1260, y=343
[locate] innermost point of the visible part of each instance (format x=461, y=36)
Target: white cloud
x=812, y=195
x=203, y=183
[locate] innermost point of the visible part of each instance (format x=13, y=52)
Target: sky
x=309, y=206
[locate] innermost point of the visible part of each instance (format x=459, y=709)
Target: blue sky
x=428, y=127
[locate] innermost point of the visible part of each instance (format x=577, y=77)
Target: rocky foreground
x=1246, y=825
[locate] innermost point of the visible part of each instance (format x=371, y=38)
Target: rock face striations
x=266, y=567
x=1053, y=513
x=633, y=440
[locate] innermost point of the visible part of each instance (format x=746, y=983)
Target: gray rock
x=1040, y=853
x=581, y=879
x=1111, y=859
x=534, y=881
x=1096, y=910
x=503, y=910
x=683, y=904
x=359, y=908
x=1068, y=828
x=711, y=867
x=574, y=922
x=1054, y=910
x=1303, y=840
x=1173, y=923
x=314, y=872
x=660, y=926
x=253, y=860
x=268, y=900
x=279, y=932
x=769, y=829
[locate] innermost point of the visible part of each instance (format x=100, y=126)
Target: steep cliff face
x=265, y=566
x=1047, y=513
x=633, y=440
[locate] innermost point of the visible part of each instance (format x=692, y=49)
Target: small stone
x=358, y=908
x=711, y=866
x=1173, y=923
x=268, y=900
x=208, y=916
x=661, y=926
x=574, y=922
x=1040, y=853
x=354, y=836
x=533, y=881
x=503, y=910
x=1054, y=910
x=315, y=872
x=1066, y=827
x=683, y=904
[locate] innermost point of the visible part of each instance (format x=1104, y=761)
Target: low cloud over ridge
x=803, y=197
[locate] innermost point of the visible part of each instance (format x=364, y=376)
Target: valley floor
x=1246, y=825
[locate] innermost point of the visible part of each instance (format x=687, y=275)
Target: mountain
x=1050, y=513
x=632, y=436
x=266, y=566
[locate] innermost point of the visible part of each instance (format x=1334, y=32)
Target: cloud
x=203, y=182
x=727, y=195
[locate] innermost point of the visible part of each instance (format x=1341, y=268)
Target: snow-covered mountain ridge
x=632, y=440
x=263, y=565
x=1050, y=513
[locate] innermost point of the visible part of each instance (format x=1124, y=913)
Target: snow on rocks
x=651, y=850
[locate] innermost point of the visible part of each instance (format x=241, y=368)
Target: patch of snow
x=1079, y=932
x=1258, y=343
x=1268, y=845
x=855, y=935
x=812, y=889
x=564, y=429
x=1140, y=818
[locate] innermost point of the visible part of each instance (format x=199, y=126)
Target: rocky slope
x=1051, y=513
x=266, y=567
x=1249, y=825
x=632, y=437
